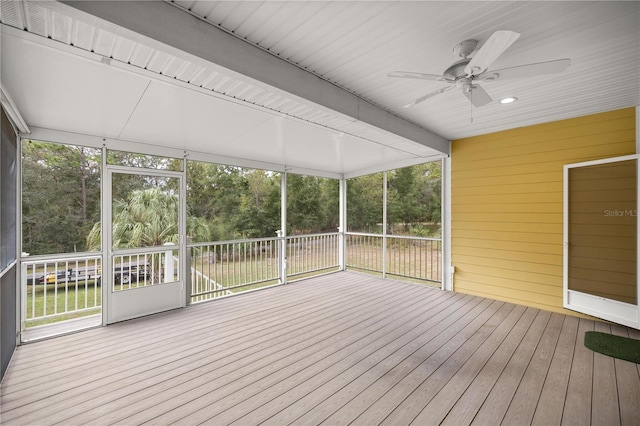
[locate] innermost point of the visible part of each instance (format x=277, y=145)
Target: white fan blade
x=428, y=95
x=525, y=71
x=495, y=46
x=477, y=95
x=416, y=75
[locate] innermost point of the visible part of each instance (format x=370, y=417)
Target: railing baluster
x=33, y=292
x=411, y=257
x=70, y=293
x=235, y=266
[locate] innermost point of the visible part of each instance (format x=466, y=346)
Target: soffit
x=130, y=88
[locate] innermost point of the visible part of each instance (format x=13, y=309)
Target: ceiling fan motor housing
x=456, y=71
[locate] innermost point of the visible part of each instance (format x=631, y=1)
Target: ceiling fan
x=466, y=72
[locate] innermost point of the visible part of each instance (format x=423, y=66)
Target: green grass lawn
x=56, y=303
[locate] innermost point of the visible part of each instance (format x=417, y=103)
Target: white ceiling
x=76, y=73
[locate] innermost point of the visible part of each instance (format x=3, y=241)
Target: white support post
x=384, y=224
x=283, y=228
x=447, y=268
x=20, y=290
x=342, y=228
x=105, y=232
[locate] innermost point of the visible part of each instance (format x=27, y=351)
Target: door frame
x=165, y=296
x=600, y=307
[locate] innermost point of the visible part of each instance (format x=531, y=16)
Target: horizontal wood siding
x=507, y=203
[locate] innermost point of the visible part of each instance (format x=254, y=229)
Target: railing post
x=342, y=228
x=168, y=265
x=282, y=257
x=188, y=277
x=23, y=295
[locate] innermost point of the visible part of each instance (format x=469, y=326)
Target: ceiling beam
x=174, y=27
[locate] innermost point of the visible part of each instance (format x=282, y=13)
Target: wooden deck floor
x=339, y=349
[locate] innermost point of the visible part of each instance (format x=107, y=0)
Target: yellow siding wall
x=506, y=196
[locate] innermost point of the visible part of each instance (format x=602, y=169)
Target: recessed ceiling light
x=508, y=100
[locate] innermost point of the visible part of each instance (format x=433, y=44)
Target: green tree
x=429, y=184
x=258, y=214
x=403, y=205
x=364, y=203
x=329, y=204
x=60, y=196
x=304, y=214
x=214, y=195
x=147, y=218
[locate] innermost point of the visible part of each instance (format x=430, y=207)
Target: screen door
x=601, y=239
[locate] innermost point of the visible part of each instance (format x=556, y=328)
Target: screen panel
x=8, y=183
x=603, y=230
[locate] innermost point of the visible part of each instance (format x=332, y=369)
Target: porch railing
x=57, y=288
x=228, y=267
x=136, y=268
x=311, y=254
x=402, y=256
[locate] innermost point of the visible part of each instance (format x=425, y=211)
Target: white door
x=145, y=229
x=601, y=239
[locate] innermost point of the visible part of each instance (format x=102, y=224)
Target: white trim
x=12, y=111
x=282, y=233
x=18, y=284
x=395, y=165
x=105, y=217
x=182, y=34
x=638, y=129
x=565, y=236
x=602, y=161
x=8, y=267
x=619, y=312
x=384, y=224
x=130, y=69
x=342, y=227
x=600, y=307
x=58, y=136
x=447, y=267
x=133, y=303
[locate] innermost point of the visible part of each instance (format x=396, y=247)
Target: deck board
x=499, y=398
x=331, y=404
x=604, y=402
x=577, y=408
x=628, y=386
x=554, y=392
x=466, y=408
x=438, y=408
x=344, y=348
x=524, y=402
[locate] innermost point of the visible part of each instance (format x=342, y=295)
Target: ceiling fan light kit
x=467, y=72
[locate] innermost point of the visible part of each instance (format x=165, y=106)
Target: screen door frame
x=595, y=305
